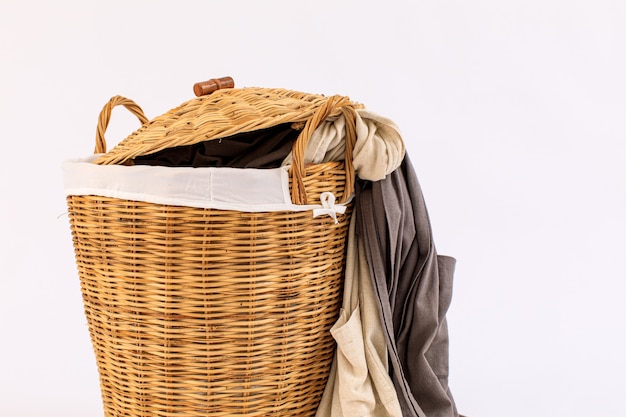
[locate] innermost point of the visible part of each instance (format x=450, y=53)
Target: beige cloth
x=378, y=151
x=359, y=384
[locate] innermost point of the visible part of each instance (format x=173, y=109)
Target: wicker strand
x=105, y=117
x=350, y=115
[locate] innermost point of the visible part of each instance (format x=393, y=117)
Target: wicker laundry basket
x=211, y=312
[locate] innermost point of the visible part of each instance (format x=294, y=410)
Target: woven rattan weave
x=206, y=312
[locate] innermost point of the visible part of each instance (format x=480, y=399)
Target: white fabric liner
x=248, y=190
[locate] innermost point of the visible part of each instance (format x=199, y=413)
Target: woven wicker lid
x=220, y=114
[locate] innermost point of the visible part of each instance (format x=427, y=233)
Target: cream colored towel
x=359, y=384
x=379, y=148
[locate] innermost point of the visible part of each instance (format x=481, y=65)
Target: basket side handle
x=330, y=106
x=105, y=117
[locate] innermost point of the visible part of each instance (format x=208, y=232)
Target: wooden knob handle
x=207, y=87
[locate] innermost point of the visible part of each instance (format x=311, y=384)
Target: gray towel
x=414, y=288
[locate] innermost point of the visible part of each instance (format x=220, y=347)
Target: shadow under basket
x=210, y=312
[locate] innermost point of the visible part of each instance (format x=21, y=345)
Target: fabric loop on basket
x=328, y=206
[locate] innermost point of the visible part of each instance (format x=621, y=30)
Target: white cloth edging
x=247, y=190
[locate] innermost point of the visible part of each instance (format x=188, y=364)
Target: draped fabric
x=359, y=384
x=413, y=286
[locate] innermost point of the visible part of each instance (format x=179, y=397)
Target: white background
x=513, y=113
